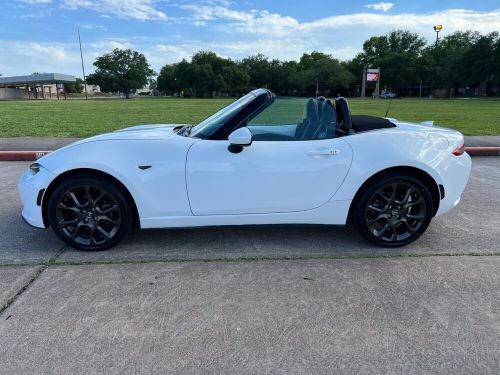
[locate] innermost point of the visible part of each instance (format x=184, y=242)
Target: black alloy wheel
x=393, y=211
x=89, y=213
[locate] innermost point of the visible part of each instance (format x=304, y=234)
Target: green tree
x=76, y=87
x=397, y=54
x=330, y=76
x=258, y=68
x=496, y=64
x=203, y=79
x=205, y=74
x=234, y=79
x=478, y=64
x=122, y=71
x=446, y=58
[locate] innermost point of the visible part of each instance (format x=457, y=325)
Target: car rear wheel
x=393, y=211
x=89, y=212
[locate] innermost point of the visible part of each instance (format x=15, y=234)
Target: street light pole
x=437, y=29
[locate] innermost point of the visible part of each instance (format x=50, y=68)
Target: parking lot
x=256, y=299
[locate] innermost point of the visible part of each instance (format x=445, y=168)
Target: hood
x=139, y=132
x=159, y=132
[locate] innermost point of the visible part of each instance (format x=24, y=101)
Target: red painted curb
x=483, y=151
x=21, y=155
x=34, y=155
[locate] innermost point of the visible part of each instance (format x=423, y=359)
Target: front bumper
x=29, y=187
x=455, y=172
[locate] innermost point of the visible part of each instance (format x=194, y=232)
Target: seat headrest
x=327, y=113
x=328, y=121
x=320, y=101
x=344, y=114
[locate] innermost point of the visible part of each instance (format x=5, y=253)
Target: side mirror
x=238, y=139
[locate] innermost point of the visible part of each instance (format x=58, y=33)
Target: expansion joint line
x=38, y=272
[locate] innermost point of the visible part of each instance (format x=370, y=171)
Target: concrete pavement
x=198, y=301
x=18, y=242
x=371, y=316
x=13, y=280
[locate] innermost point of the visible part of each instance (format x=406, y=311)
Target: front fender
x=158, y=187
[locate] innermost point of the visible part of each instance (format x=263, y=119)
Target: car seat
x=310, y=125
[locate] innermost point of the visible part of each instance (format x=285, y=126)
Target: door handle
x=325, y=152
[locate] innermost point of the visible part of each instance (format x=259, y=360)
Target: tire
x=89, y=212
x=393, y=211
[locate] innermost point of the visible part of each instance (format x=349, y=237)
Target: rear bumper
x=455, y=172
x=29, y=187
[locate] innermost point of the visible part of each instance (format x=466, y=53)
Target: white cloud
x=90, y=26
x=108, y=45
x=208, y=14
x=251, y=21
x=384, y=7
x=236, y=34
x=142, y=10
x=27, y=57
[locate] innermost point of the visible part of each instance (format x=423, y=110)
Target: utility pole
x=363, y=83
x=377, y=86
x=83, y=67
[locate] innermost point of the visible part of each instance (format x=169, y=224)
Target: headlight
x=35, y=168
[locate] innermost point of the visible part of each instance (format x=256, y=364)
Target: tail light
x=459, y=150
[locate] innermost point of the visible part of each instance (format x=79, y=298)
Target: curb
x=483, y=151
x=22, y=155
x=35, y=155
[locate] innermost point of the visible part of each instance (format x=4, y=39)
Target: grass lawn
x=80, y=118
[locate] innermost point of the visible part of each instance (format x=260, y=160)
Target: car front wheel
x=89, y=212
x=393, y=211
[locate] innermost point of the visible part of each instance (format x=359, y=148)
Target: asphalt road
x=198, y=301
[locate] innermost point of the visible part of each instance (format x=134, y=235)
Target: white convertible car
x=260, y=160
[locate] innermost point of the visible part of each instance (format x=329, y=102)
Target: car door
x=266, y=177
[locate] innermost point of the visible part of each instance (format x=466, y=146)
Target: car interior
x=323, y=119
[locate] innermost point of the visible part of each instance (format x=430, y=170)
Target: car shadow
x=243, y=242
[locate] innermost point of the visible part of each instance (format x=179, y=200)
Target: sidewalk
x=377, y=316
x=482, y=141
x=35, y=143
x=53, y=143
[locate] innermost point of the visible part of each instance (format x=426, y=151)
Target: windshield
x=210, y=125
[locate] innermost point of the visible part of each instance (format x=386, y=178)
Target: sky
x=41, y=35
